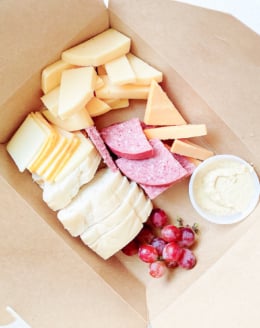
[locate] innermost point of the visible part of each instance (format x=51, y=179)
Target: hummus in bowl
x=224, y=189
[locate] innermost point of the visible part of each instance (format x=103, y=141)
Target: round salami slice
x=160, y=170
x=127, y=139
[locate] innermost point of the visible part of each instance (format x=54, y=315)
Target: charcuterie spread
x=101, y=181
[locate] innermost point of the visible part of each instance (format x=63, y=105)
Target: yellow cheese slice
x=27, y=143
x=119, y=71
x=50, y=145
x=144, y=72
x=51, y=100
x=76, y=89
x=159, y=108
x=98, y=50
x=51, y=75
x=126, y=91
x=79, y=155
x=117, y=103
x=78, y=121
x=190, y=149
x=176, y=132
x=96, y=107
x=60, y=161
x=99, y=83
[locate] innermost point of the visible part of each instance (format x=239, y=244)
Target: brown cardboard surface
x=210, y=72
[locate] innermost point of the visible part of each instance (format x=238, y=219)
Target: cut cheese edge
x=96, y=107
x=76, y=89
x=159, y=108
x=176, y=132
x=98, y=50
x=126, y=91
x=119, y=71
x=51, y=100
x=117, y=103
x=190, y=149
x=51, y=75
x=144, y=73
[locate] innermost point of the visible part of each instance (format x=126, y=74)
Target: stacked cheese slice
x=107, y=213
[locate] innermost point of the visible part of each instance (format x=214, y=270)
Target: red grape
x=172, y=252
x=171, y=264
x=159, y=244
x=131, y=248
x=157, y=269
x=187, y=260
x=145, y=236
x=147, y=253
x=187, y=238
x=171, y=233
x=158, y=218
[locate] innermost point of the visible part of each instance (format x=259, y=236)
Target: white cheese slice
x=119, y=71
x=51, y=100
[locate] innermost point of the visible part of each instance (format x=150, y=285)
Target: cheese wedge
x=117, y=103
x=190, y=149
x=27, y=143
x=96, y=107
x=80, y=154
x=159, y=108
x=98, y=50
x=85, y=209
x=99, y=83
x=132, y=202
x=119, y=71
x=80, y=120
x=76, y=89
x=144, y=73
x=51, y=75
x=116, y=238
x=51, y=100
x=126, y=91
x=59, y=194
x=176, y=132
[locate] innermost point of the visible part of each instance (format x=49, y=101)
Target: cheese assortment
x=78, y=167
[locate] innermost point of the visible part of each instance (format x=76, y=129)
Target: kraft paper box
x=210, y=63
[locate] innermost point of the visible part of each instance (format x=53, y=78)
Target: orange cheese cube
x=159, y=108
x=187, y=148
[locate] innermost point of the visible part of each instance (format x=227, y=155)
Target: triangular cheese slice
x=159, y=108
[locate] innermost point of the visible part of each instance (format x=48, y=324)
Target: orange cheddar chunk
x=176, y=132
x=190, y=149
x=159, y=108
x=51, y=75
x=76, y=89
x=96, y=107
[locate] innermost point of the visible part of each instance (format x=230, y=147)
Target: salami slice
x=97, y=140
x=160, y=170
x=185, y=162
x=127, y=139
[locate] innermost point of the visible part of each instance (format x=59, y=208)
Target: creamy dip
x=224, y=187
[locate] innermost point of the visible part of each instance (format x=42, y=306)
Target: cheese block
x=159, y=108
x=49, y=147
x=132, y=202
x=127, y=91
x=76, y=89
x=176, y=132
x=96, y=107
x=81, y=211
x=51, y=75
x=99, y=82
x=51, y=100
x=98, y=50
x=27, y=143
x=190, y=149
x=80, y=120
x=116, y=238
x=59, y=194
x=117, y=103
x=119, y=71
x=80, y=154
x=144, y=73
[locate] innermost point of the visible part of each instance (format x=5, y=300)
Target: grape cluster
x=163, y=245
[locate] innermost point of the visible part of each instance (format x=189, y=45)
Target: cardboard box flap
x=45, y=281
x=213, y=52
x=33, y=34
